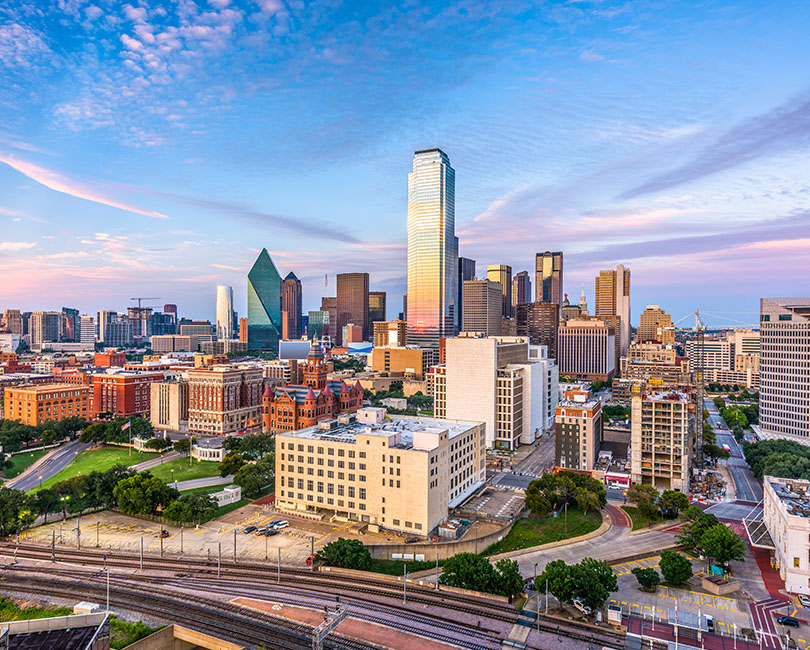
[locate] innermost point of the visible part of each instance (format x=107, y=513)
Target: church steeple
x=316, y=368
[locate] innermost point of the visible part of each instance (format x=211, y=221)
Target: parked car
x=412, y=540
x=249, y=529
x=310, y=558
x=710, y=623
x=582, y=607
x=164, y=533
x=804, y=601
x=788, y=620
x=260, y=530
x=282, y=524
x=269, y=532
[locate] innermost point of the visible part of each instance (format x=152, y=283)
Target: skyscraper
x=225, y=313
x=612, y=298
x=376, y=308
x=352, y=303
x=521, y=289
x=540, y=321
x=69, y=326
x=466, y=271
x=87, y=330
x=264, y=304
x=44, y=327
x=291, y=308
x=483, y=305
x=432, y=249
x=502, y=274
x=549, y=277
x=784, y=375
x=655, y=325
x=12, y=321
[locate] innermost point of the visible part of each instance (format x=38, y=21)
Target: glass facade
x=225, y=313
x=548, y=277
x=318, y=324
x=264, y=304
x=503, y=274
x=432, y=249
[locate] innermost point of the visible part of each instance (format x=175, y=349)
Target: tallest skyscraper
x=432, y=248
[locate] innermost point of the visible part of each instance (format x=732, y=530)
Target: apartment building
x=502, y=381
x=786, y=514
x=784, y=407
x=587, y=349
x=394, y=472
x=662, y=426
x=578, y=430
x=225, y=398
x=34, y=404
x=655, y=325
x=483, y=306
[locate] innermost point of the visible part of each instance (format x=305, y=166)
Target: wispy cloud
x=785, y=128
x=58, y=183
x=16, y=245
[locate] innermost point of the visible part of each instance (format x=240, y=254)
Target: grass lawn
x=9, y=611
x=19, y=462
x=98, y=460
x=394, y=567
x=124, y=633
x=533, y=532
x=183, y=471
x=639, y=521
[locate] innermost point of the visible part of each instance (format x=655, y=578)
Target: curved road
x=748, y=488
x=49, y=467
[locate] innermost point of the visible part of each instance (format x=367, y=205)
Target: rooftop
x=793, y=493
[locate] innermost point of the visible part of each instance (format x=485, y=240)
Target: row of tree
x=553, y=491
x=781, y=458
x=675, y=568
x=704, y=535
x=15, y=436
x=111, y=430
x=655, y=505
x=590, y=582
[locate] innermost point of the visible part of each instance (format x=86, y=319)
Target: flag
x=127, y=425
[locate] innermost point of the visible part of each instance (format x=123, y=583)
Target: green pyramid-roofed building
x=264, y=304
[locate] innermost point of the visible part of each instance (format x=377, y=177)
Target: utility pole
x=53, y=545
x=546, y=595
x=437, y=572
x=98, y=523
x=78, y=533
x=219, y=559
x=141, y=552
x=404, y=582
x=108, y=589
x=181, y=539
x=278, y=566
x=312, y=552
x=234, y=545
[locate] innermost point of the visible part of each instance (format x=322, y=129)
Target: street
x=49, y=467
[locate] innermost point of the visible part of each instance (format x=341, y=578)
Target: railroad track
x=228, y=621
x=329, y=583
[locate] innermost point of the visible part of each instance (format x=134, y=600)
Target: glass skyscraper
x=432, y=249
x=548, y=284
x=264, y=304
x=224, y=313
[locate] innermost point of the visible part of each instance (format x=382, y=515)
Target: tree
x=675, y=568
x=590, y=581
x=231, y=464
x=722, y=545
x=250, y=446
x=190, y=507
x=672, y=503
x=648, y=579
x=346, y=553
x=556, y=576
x=692, y=532
x=719, y=402
x=713, y=451
x=13, y=505
x=470, y=571
x=254, y=477
x=587, y=500
x=158, y=444
x=510, y=582
x=646, y=499
x=536, y=501
x=143, y=493
x=182, y=446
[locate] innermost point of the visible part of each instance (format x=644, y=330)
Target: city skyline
x=613, y=134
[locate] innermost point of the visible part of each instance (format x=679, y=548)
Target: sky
x=152, y=149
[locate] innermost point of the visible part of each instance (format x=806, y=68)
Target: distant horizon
x=154, y=150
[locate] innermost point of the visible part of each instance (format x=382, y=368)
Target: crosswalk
x=762, y=614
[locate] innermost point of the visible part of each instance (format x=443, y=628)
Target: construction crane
x=142, y=298
x=141, y=324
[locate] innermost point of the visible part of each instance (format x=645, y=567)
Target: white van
x=281, y=524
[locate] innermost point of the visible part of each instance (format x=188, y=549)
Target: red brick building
x=110, y=359
x=123, y=393
x=33, y=405
x=296, y=406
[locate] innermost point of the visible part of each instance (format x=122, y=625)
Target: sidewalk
x=160, y=460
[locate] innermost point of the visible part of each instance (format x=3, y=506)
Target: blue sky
x=154, y=148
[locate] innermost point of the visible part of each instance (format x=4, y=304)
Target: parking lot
x=115, y=531
x=503, y=504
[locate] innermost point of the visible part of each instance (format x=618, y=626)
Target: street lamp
x=64, y=499
x=40, y=482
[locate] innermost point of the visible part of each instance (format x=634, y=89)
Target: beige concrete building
x=390, y=333
x=587, y=349
x=578, y=430
x=394, y=472
x=483, y=307
x=504, y=382
x=786, y=514
x=411, y=361
x=225, y=398
x=168, y=405
x=653, y=352
x=717, y=354
x=174, y=343
x=662, y=428
x=655, y=325
x=612, y=298
x=656, y=363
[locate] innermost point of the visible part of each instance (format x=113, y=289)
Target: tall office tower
x=291, y=307
x=540, y=321
x=661, y=437
x=569, y=311
x=264, y=304
x=612, y=298
x=502, y=274
x=318, y=326
x=404, y=314
x=140, y=318
x=500, y=380
x=393, y=332
x=118, y=333
x=784, y=394
x=170, y=308
x=69, y=325
x=655, y=325
x=87, y=330
x=466, y=271
x=12, y=321
x=587, y=350
x=44, y=327
x=483, y=306
x=103, y=318
x=548, y=277
x=352, y=303
x=432, y=249
x=583, y=303
x=243, y=329
x=521, y=289
x=329, y=305
x=376, y=308
x=224, y=312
